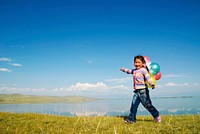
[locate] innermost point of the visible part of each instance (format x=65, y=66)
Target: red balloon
x=158, y=76
x=147, y=59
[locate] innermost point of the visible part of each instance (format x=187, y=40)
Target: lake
x=113, y=107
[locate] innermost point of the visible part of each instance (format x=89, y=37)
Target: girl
x=141, y=92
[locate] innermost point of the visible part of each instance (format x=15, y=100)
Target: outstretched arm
x=128, y=71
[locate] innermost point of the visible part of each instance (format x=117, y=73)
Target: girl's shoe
x=128, y=121
x=158, y=119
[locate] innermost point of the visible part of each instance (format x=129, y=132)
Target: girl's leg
x=146, y=102
x=134, y=106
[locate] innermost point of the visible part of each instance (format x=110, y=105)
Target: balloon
x=158, y=76
x=148, y=62
x=148, y=65
x=154, y=68
x=154, y=81
x=147, y=59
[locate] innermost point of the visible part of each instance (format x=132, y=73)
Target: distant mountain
x=19, y=98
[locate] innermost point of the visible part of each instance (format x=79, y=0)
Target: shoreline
x=35, y=99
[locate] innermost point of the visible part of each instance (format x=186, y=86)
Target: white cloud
x=77, y=89
x=172, y=84
x=62, y=89
x=8, y=61
x=173, y=75
x=22, y=90
x=5, y=70
x=88, y=86
x=195, y=84
x=16, y=64
x=100, y=89
x=120, y=80
x=120, y=87
x=5, y=59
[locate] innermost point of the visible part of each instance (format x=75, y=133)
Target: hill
x=19, y=98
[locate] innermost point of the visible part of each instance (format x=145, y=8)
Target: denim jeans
x=142, y=96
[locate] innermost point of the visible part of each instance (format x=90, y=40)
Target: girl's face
x=138, y=64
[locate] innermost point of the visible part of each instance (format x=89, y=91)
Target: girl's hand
x=153, y=86
x=122, y=69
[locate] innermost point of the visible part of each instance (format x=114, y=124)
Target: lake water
x=115, y=107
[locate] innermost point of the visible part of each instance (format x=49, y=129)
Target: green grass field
x=13, y=123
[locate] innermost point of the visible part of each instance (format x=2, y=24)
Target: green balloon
x=154, y=68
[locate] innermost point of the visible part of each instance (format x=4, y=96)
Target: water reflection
x=106, y=107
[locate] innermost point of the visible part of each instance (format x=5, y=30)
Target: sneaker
x=128, y=121
x=158, y=119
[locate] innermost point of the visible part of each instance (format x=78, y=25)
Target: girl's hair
x=142, y=59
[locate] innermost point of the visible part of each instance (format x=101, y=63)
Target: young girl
x=141, y=92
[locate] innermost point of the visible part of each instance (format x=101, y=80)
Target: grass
x=21, y=99
x=41, y=123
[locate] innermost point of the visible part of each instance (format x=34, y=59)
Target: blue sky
x=77, y=47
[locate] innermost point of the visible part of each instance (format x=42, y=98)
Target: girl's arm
x=128, y=71
x=149, y=79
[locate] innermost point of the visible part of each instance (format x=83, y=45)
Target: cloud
x=172, y=84
x=120, y=87
x=8, y=61
x=87, y=86
x=5, y=59
x=79, y=89
x=6, y=89
x=195, y=84
x=173, y=75
x=16, y=64
x=120, y=80
x=5, y=70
